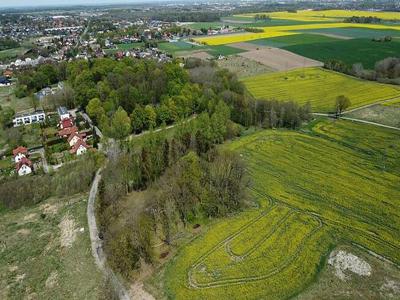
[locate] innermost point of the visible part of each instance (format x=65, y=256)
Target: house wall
x=18, y=157
x=24, y=170
x=30, y=119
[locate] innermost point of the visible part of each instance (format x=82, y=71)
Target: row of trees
x=363, y=20
x=386, y=70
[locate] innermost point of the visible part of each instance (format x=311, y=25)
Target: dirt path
x=97, y=243
x=357, y=120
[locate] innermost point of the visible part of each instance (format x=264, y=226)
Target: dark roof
x=62, y=110
x=4, y=80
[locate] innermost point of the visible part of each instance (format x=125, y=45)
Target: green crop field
x=318, y=86
x=349, y=197
x=352, y=51
x=44, y=253
x=354, y=32
x=297, y=39
x=178, y=46
x=12, y=53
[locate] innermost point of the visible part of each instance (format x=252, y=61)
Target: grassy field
x=44, y=253
x=223, y=50
x=12, y=53
x=356, y=32
x=319, y=86
x=242, y=66
x=353, y=51
x=380, y=113
x=276, y=251
x=7, y=98
x=296, y=39
x=177, y=46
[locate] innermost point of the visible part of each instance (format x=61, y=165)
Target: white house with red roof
x=19, y=153
x=80, y=147
x=74, y=138
x=24, y=167
x=66, y=132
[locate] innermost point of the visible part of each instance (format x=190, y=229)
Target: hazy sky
x=22, y=3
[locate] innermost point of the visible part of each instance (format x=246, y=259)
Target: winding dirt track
x=97, y=243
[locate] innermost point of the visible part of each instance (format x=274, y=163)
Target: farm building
x=19, y=153
x=37, y=116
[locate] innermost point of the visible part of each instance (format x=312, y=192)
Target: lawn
x=297, y=39
x=46, y=252
x=7, y=98
x=12, y=53
x=177, y=46
x=354, y=51
x=347, y=196
x=318, y=86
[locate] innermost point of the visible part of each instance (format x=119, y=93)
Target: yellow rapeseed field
x=318, y=86
x=326, y=15
x=348, y=195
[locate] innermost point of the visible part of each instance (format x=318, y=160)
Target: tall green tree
x=120, y=124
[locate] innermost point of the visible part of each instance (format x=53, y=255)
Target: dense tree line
x=72, y=178
x=8, y=43
x=363, y=20
x=386, y=70
x=34, y=79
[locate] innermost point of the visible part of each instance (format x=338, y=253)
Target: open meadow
x=318, y=86
x=45, y=252
x=348, y=198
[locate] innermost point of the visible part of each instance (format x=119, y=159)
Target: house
x=79, y=148
x=5, y=81
x=8, y=73
x=63, y=113
x=74, y=138
x=37, y=116
x=44, y=93
x=19, y=153
x=24, y=167
x=66, y=123
x=66, y=132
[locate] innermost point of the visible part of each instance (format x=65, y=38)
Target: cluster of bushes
x=70, y=179
x=385, y=71
x=253, y=29
x=384, y=39
x=262, y=17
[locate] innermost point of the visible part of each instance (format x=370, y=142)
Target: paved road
x=97, y=243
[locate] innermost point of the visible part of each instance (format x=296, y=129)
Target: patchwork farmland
x=277, y=250
x=318, y=86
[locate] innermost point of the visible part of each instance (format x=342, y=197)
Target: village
x=55, y=138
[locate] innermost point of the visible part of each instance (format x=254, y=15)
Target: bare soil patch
x=344, y=261
x=280, y=59
x=68, y=232
x=243, y=67
x=51, y=281
x=247, y=46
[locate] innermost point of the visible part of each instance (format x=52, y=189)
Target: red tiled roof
x=20, y=149
x=68, y=131
x=79, y=135
x=65, y=123
x=23, y=161
x=79, y=143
